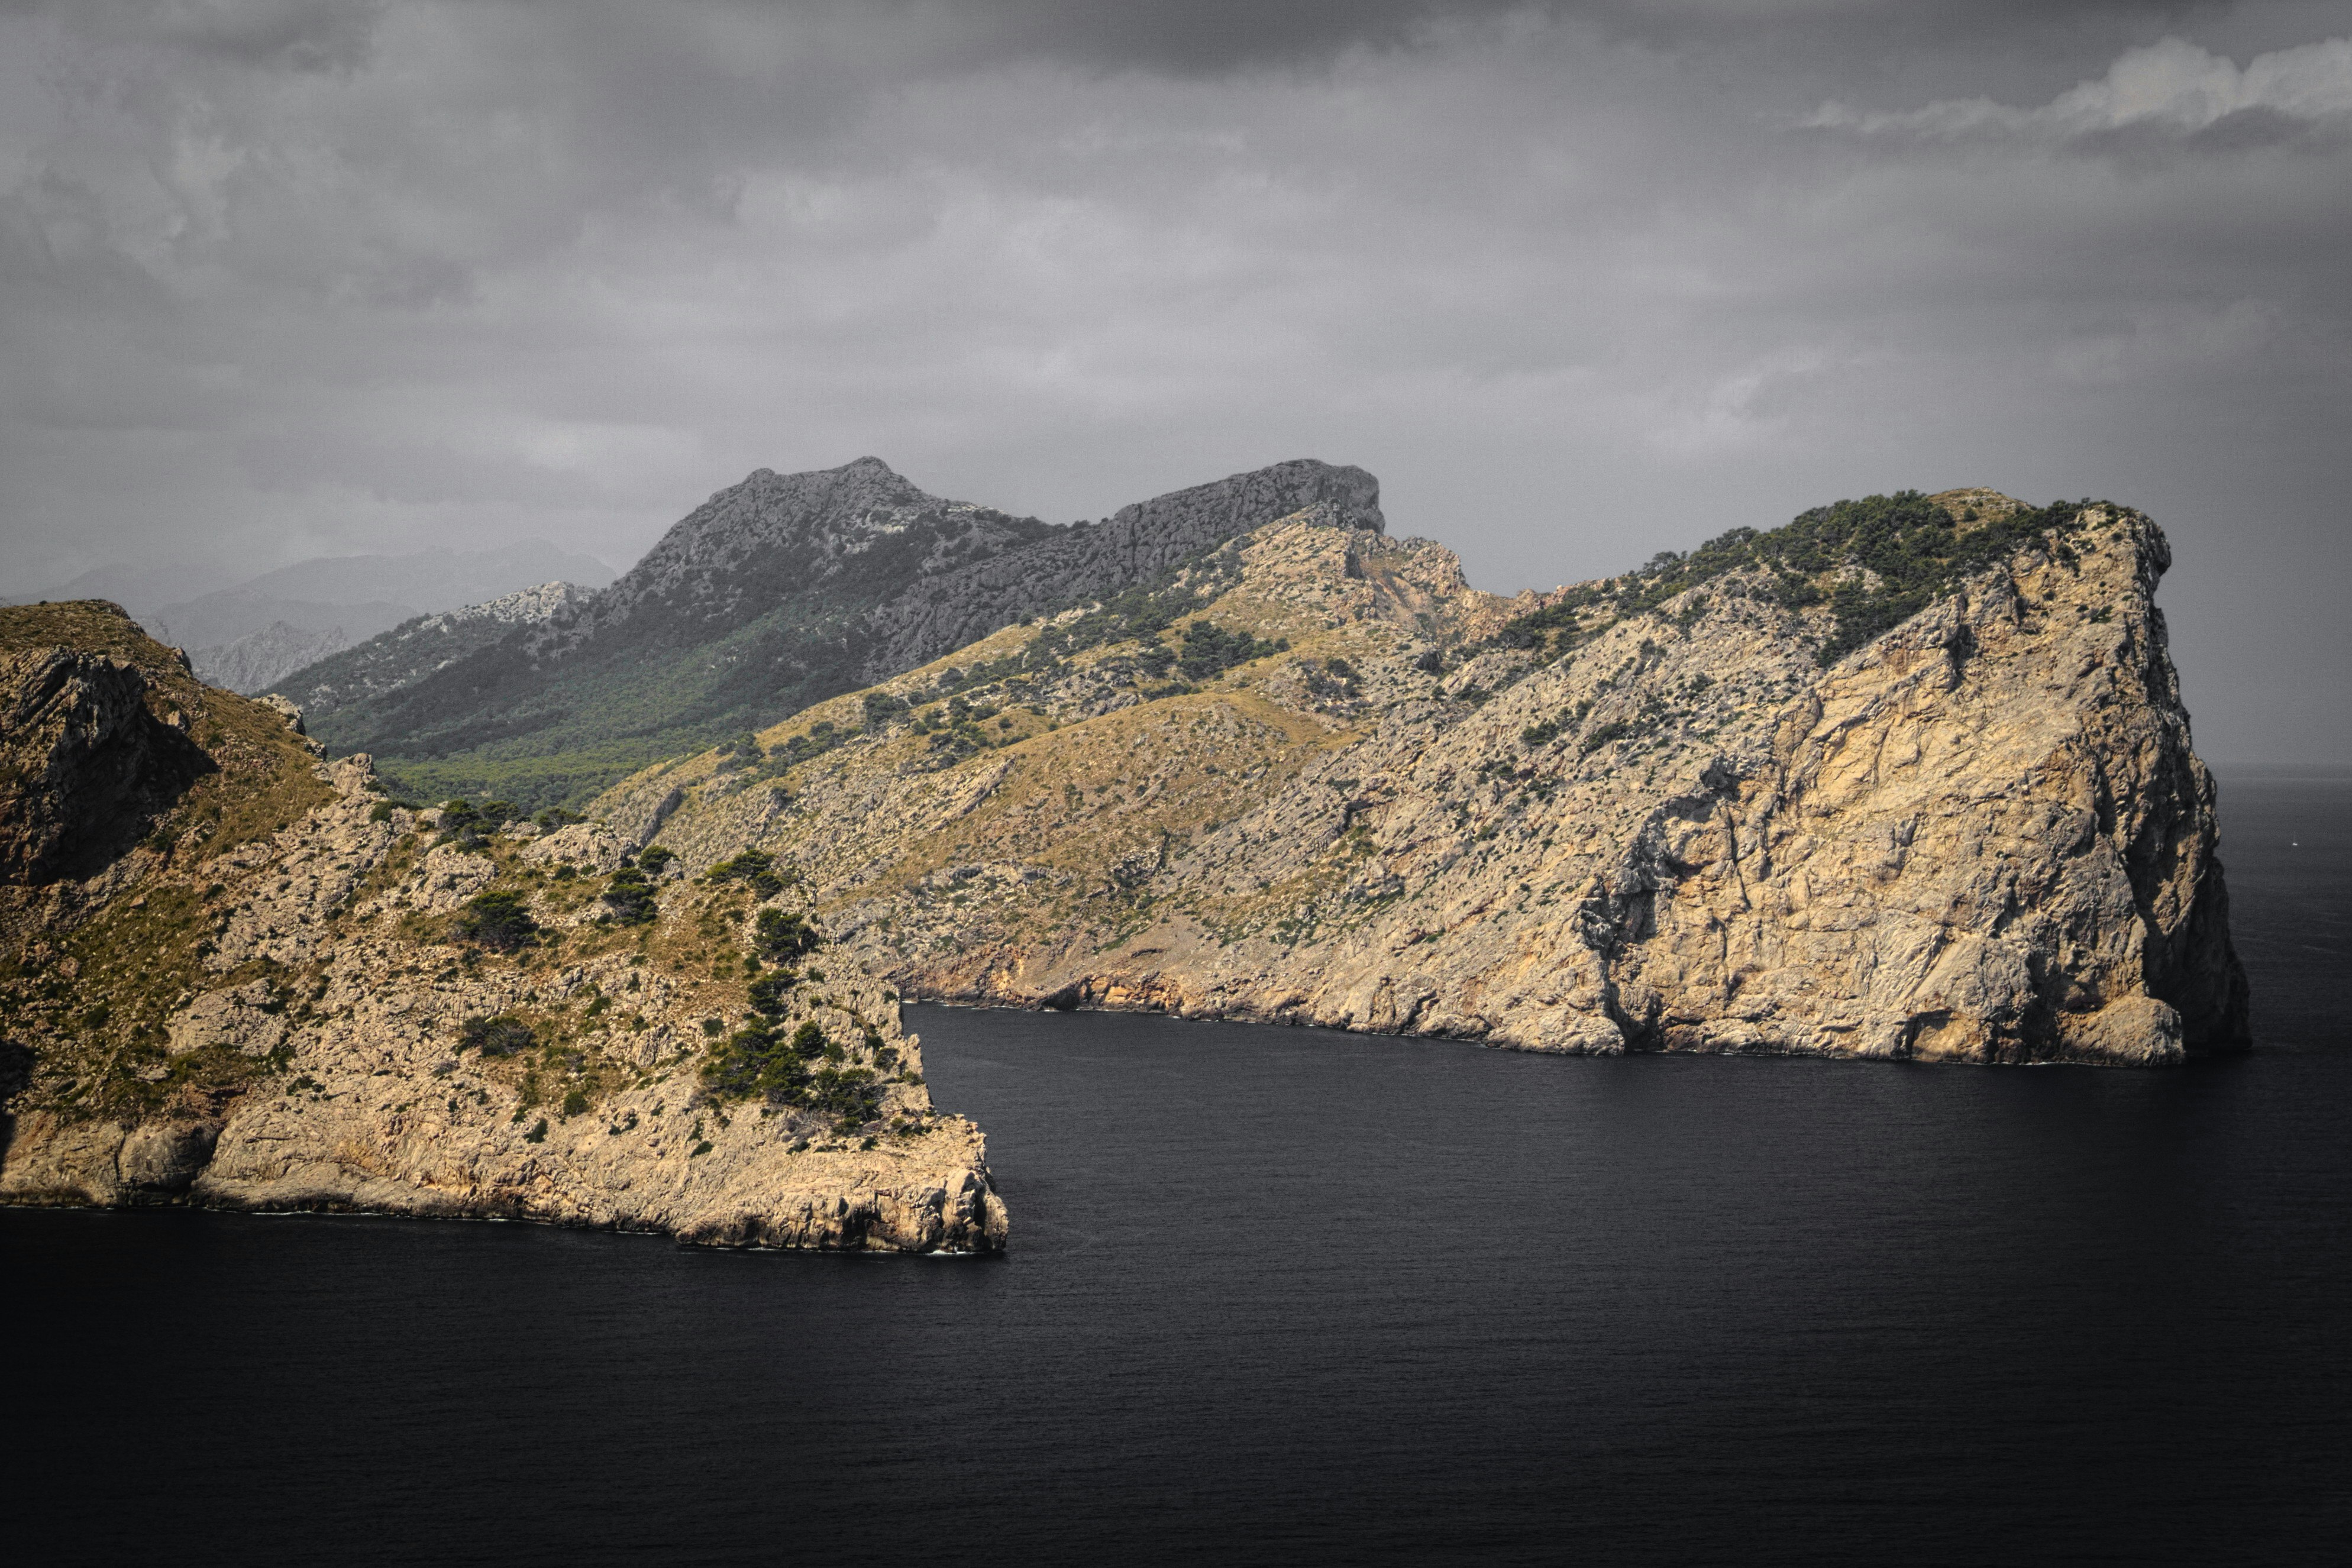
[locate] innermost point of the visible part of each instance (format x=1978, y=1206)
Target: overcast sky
x=289, y=277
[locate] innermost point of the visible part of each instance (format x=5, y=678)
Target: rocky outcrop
x=1690, y=822
x=283, y=998
x=83, y=763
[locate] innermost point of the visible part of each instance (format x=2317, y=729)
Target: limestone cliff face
x=1979, y=835
x=273, y=999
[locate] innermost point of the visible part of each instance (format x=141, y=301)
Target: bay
x=1286, y=1295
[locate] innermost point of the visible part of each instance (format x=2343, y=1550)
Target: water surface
x=1285, y=1295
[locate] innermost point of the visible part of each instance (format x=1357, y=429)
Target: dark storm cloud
x=291, y=276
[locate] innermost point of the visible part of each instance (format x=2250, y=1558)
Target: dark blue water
x=1282, y=1296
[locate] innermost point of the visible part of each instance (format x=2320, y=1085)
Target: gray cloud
x=283, y=278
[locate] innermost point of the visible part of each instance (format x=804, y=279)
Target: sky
x=281, y=278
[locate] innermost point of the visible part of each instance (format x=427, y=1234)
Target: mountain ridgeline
x=779, y=592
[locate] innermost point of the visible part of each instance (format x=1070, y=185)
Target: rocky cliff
x=1910, y=778
x=236, y=975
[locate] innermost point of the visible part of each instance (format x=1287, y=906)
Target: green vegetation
x=753, y=868
x=758, y=1061
x=499, y=921
x=1917, y=549
x=629, y=897
x=1209, y=649
x=781, y=935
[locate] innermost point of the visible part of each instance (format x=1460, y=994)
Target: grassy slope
x=1078, y=791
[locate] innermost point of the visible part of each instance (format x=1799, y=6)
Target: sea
x=1282, y=1296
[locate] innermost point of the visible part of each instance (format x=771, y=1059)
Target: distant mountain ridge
x=779, y=591
x=256, y=662
x=417, y=647
x=362, y=595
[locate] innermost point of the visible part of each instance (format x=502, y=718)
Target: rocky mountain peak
x=760, y=542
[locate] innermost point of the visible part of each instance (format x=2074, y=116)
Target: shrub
x=1209, y=648
x=756, y=1060
x=768, y=993
x=575, y=1102
x=783, y=935
x=499, y=921
x=502, y=1034
x=652, y=857
x=630, y=897
x=849, y=1094
x=538, y=1134
x=753, y=868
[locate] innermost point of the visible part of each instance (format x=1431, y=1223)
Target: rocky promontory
x=242, y=977
x=1910, y=778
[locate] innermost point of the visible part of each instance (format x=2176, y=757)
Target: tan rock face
x=278, y=1009
x=1983, y=836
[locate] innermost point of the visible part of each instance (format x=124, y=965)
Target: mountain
x=416, y=648
x=258, y=660
x=233, y=975
x=781, y=592
x=1907, y=779
x=362, y=595
x=143, y=589
x=223, y=619
x=1910, y=778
